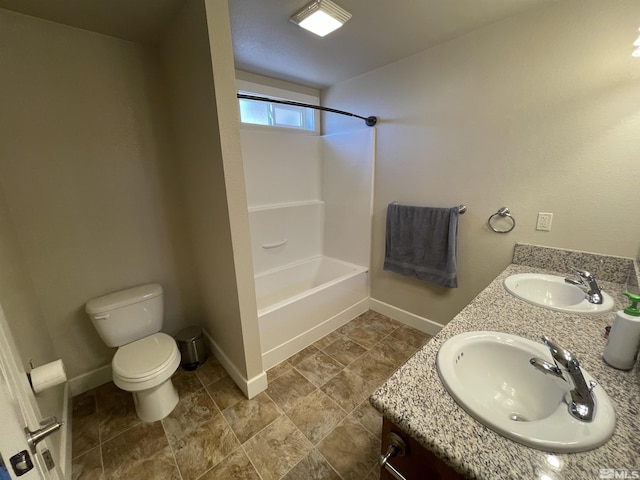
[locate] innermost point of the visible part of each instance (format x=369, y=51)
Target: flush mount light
x=321, y=17
x=636, y=52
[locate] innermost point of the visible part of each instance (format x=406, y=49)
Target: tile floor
x=313, y=422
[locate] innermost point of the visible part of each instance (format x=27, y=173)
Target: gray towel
x=421, y=242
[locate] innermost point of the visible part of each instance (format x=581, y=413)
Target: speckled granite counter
x=415, y=400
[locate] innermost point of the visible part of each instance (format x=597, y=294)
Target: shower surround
x=310, y=209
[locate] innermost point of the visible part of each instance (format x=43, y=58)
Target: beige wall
x=81, y=150
x=221, y=51
x=24, y=316
x=210, y=170
x=539, y=113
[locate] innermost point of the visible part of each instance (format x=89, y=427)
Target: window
x=272, y=114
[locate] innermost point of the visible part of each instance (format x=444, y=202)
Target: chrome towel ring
x=502, y=212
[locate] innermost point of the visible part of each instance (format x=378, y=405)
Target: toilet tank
x=127, y=315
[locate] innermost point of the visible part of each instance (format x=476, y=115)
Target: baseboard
x=250, y=387
x=87, y=381
x=420, y=323
x=280, y=353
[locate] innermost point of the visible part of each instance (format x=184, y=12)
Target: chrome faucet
x=587, y=283
x=566, y=365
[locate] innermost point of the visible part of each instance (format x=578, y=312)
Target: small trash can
x=192, y=347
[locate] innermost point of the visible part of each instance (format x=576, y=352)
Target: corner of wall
x=250, y=386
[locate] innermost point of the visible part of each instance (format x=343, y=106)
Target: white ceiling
x=380, y=32
x=266, y=42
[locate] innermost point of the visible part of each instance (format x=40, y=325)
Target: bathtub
x=300, y=303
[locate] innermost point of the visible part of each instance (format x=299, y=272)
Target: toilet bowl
x=146, y=358
x=145, y=368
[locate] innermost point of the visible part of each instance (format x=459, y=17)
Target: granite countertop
x=415, y=399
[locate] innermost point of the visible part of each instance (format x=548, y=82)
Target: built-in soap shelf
x=275, y=206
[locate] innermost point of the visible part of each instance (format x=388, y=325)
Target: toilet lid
x=145, y=357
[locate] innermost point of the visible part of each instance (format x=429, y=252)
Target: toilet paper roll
x=47, y=376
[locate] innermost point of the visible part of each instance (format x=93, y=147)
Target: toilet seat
x=145, y=363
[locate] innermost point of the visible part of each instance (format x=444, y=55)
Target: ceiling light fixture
x=636, y=52
x=321, y=17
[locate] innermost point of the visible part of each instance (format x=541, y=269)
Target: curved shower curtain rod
x=370, y=121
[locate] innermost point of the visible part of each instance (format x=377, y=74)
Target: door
x=19, y=409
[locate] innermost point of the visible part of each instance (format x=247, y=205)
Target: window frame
x=251, y=88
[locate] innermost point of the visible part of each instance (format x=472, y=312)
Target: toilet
x=146, y=359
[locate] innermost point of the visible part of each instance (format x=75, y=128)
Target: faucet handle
x=582, y=273
x=559, y=354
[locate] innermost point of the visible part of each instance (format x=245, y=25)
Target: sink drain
x=516, y=417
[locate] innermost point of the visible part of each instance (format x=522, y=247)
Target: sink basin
x=551, y=291
x=489, y=375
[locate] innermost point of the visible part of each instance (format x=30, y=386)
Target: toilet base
x=156, y=403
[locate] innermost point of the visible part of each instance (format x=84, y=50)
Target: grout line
x=251, y=461
x=280, y=411
x=173, y=453
x=241, y=445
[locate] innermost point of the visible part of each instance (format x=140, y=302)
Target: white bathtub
x=300, y=303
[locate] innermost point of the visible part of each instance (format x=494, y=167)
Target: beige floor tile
x=248, y=417
x=87, y=466
x=85, y=426
x=327, y=340
x=352, y=325
x=210, y=371
x=235, y=466
x=278, y=370
x=319, y=368
x=84, y=438
x=411, y=336
x=302, y=354
x=191, y=412
x=350, y=449
x=395, y=350
x=374, y=474
x=373, y=368
x=289, y=388
x=365, y=336
x=204, y=447
x=346, y=389
x=84, y=405
x=160, y=464
x=369, y=418
x=316, y=416
x=225, y=393
x=381, y=323
x=312, y=467
x=277, y=449
x=186, y=382
x=345, y=350
x=138, y=446
x=116, y=411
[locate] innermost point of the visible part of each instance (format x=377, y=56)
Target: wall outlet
x=544, y=221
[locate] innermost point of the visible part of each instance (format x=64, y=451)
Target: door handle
x=49, y=426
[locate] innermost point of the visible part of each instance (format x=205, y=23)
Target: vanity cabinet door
x=419, y=463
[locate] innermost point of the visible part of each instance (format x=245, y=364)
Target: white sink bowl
x=489, y=375
x=551, y=291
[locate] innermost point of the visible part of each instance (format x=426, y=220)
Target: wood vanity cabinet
x=418, y=463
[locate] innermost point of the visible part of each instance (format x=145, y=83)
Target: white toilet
x=146, y=359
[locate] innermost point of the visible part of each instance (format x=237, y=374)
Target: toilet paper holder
x=46, y=376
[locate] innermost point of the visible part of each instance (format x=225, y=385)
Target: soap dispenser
x=624, y=339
